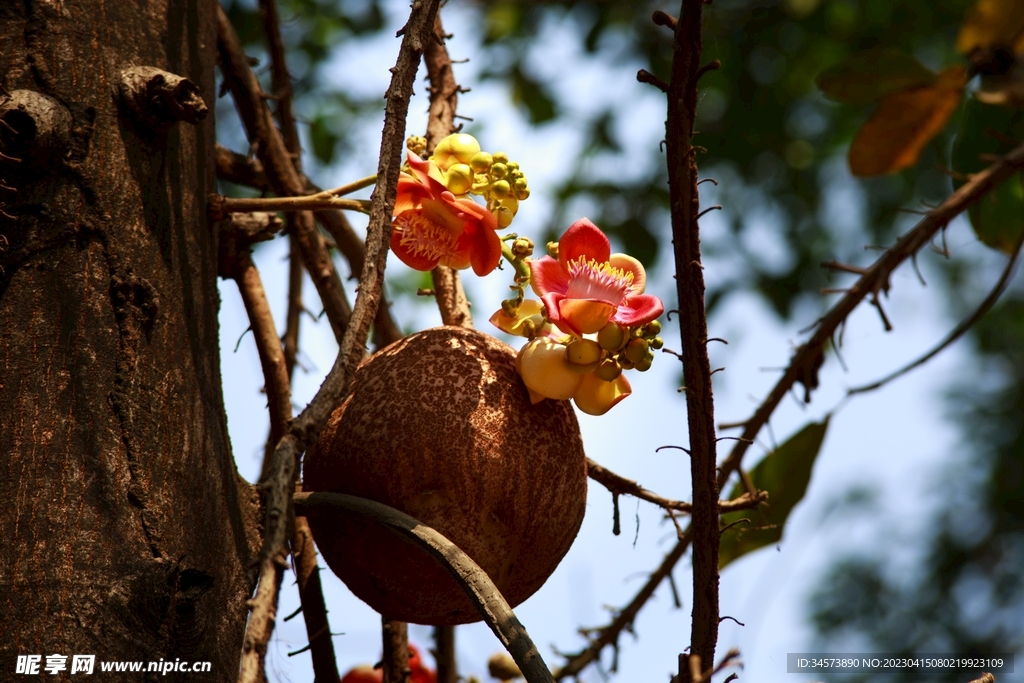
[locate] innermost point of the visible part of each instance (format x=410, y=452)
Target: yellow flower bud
x=416, y=144
x=553, y=249
x=500, y=189
x=504, y=216
x=636, y=350
x=459, y=148
x=459, y=179
x=657, y=343
x=523, y=194
x=498, y=170
x=520, y=184
x=652, y=328
x=500, y=158
x=544, y=370
x=644, y=364
x=481, y=162
x=585, y=354
x=608, y=370
x=522, y=247
x=611, y=337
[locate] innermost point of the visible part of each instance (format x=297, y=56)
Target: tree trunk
x=128, y=533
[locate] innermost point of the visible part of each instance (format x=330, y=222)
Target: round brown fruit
x=440, y=426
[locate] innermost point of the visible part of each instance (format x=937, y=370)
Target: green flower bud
x=608, y=370
x=500, y=189
x=459, y=179
x=635, y=350
x=611, y=337
x=652, y=328
x=657, y=343
x=624, y=362
x=481, y=161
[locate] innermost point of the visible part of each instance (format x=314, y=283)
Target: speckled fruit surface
x=440, y=426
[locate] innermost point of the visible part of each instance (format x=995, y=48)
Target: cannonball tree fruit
x=440, y=426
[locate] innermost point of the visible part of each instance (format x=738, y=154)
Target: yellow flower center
x=424, y=237
x=589, y=279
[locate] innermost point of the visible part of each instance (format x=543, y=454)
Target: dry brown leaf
x=893, y=138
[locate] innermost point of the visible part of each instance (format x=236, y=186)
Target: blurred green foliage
x=966, y=595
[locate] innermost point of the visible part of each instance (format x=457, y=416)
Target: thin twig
x=395, y=636
x=444, y=98
x=473, y=580
x=961, y=329
x=304, y=562
x=803, y=365
x=219, y=205
x=236, y=168
x=280, y=170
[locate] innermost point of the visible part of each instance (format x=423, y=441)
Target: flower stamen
x=425, y=238
x=590, y=279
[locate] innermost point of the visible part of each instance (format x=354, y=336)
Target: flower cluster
x=592, y=322
x=436, y=222
x=593, y=319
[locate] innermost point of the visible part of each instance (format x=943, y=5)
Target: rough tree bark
x=128, y=533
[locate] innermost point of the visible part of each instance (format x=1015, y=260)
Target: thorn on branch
x=717, y=339
x=708, y=180
x=721, y=619
x=709, y=209
x=662, y=19
x=645, y=76
x=843, y=267
x=616, y=524
x=877, y=303
x=669, y=314
x=713, y=65
x=678, y=448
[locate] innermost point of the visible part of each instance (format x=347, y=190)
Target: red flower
x=588, y=286
x=368, y=674
x=434, y=227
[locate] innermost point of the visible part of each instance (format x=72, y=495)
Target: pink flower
x=588, y=286
x=434, y=227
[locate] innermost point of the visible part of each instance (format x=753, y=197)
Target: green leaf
x=868, y=76
x=998, y=219
x=784, y=474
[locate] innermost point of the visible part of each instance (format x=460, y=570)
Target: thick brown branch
x=395, y=637
x=685, y=207
x=275, y=372
x=473, y=580
x=444, y=654
x=444, y=98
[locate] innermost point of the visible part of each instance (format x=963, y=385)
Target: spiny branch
x=959, y=330
x=693, y=330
